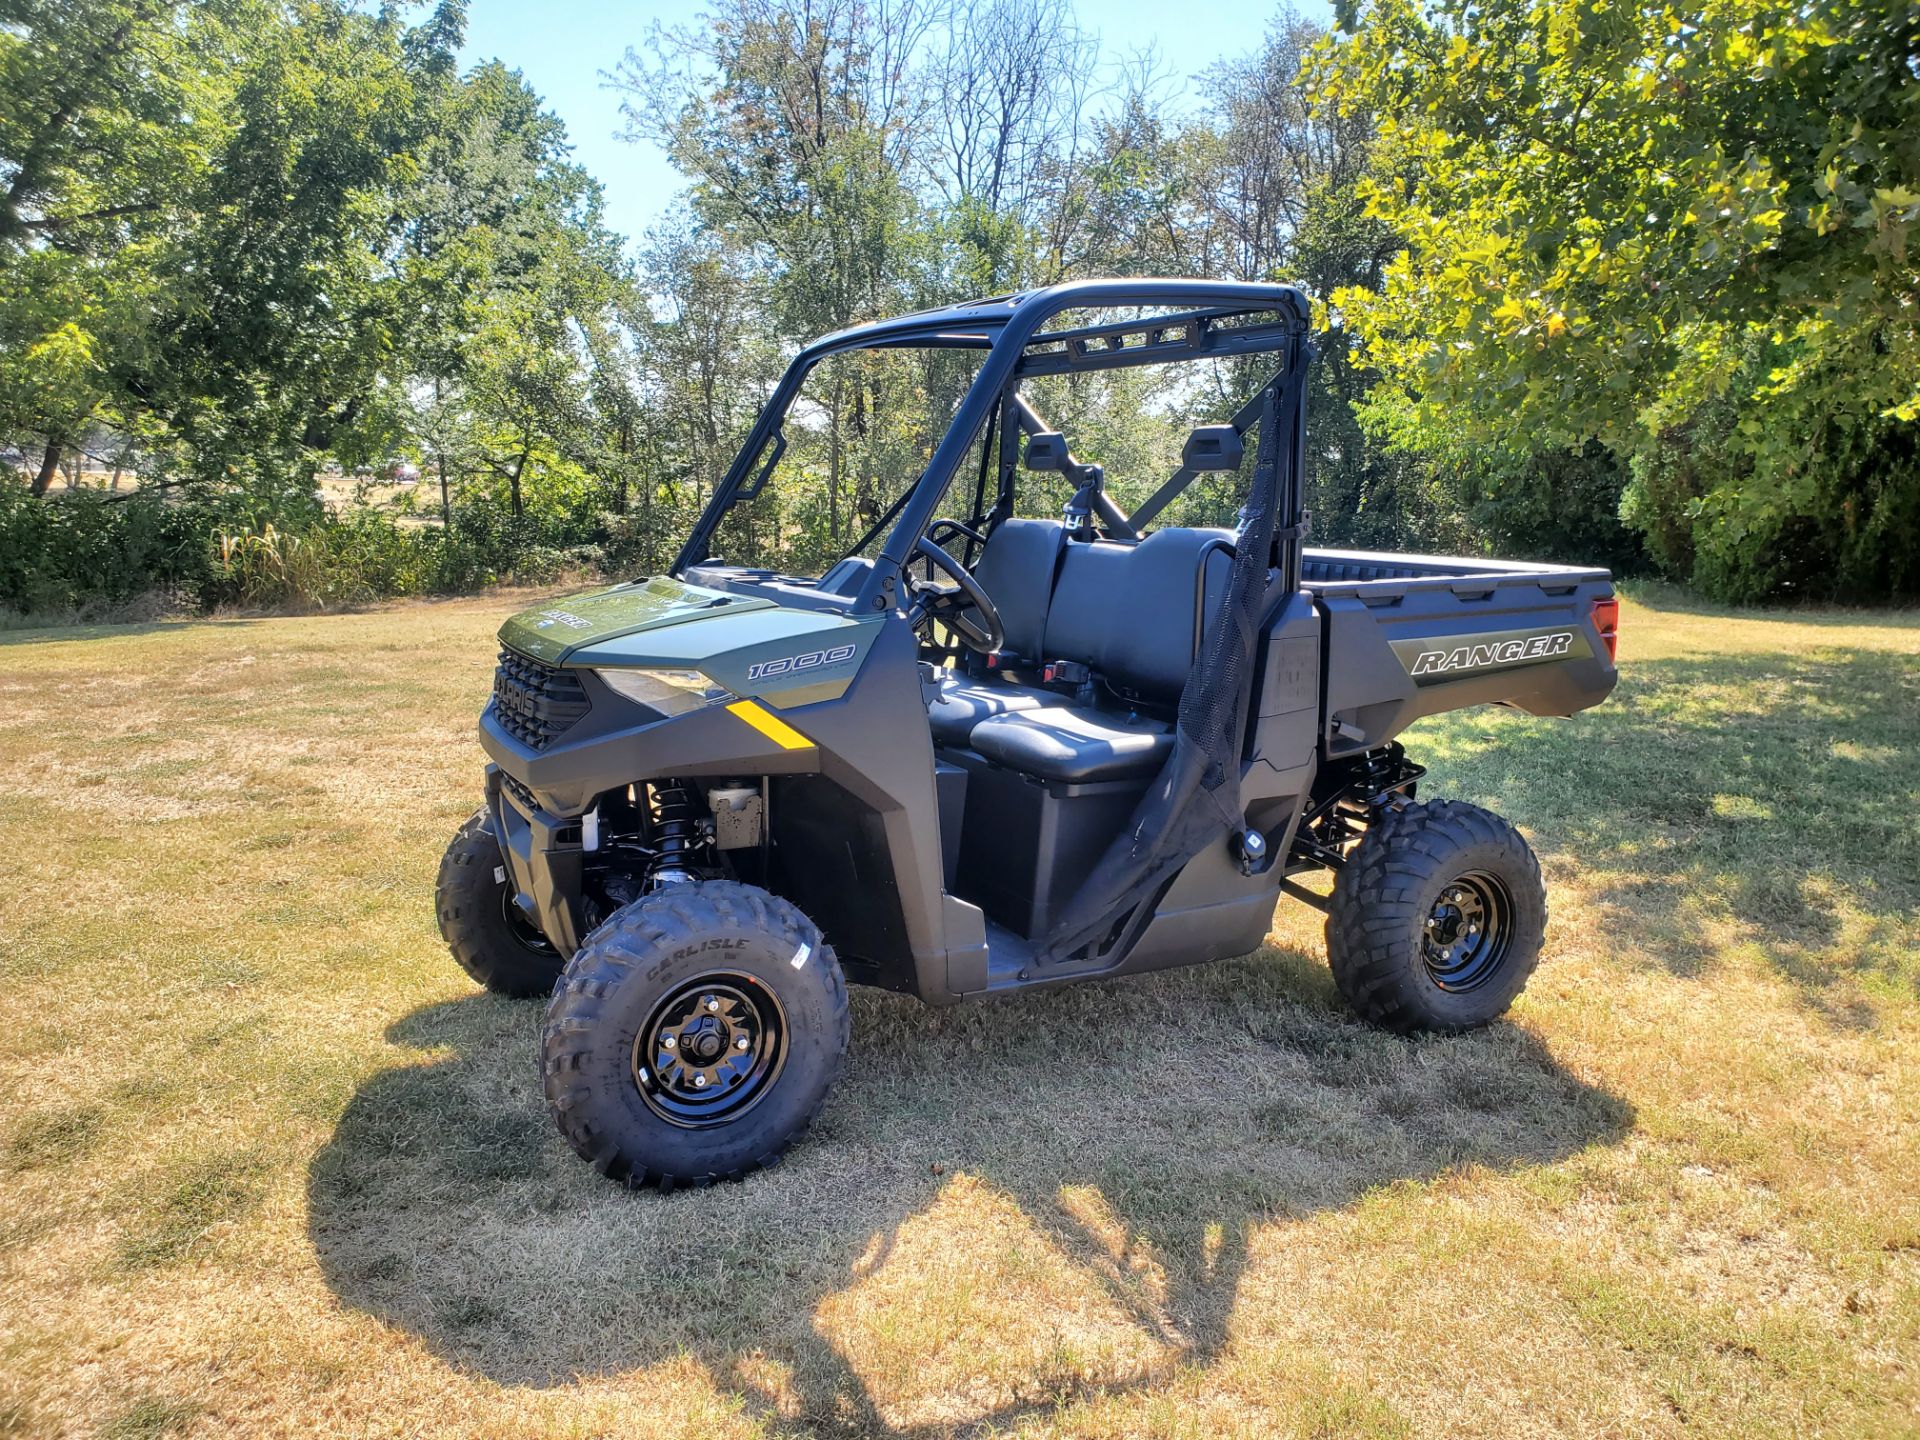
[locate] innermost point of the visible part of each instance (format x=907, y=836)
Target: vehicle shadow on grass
x=1016, y=1202
x=1753, y=804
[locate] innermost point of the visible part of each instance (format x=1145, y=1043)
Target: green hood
x=786, y=657
x=553, y=632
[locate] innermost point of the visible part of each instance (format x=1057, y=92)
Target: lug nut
x=699, y=1082
x=741, y=1043
x=712, y=1004
x=668, y=1042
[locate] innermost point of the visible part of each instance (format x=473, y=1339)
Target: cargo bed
x=1408, y=636
x=1343, y=571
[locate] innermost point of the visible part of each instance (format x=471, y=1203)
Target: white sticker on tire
x=800, y=955
x=499, y=874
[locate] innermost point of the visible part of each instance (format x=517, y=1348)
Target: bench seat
x=1075, y=744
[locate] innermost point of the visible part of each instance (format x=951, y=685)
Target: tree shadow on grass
x=1666, y=598
x=1017, y=1202
x=17, y=629
x=1759, y=803
x=55, y=632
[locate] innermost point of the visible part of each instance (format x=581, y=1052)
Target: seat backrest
x=1016, y=569
x=1135, y=613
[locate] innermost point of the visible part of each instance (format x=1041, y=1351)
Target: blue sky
x=563, y=46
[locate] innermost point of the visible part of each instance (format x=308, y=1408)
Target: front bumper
x=543, y=856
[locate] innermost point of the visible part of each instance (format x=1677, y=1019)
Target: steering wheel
x=962, y=606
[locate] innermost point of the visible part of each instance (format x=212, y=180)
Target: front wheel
x=1437, y=918
x=695, y=1035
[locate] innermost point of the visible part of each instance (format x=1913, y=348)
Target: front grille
x=519, y=792
x=535, y=703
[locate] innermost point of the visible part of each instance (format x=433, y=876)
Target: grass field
x=270, y=1165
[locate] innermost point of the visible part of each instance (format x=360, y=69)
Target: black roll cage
x=1219, y=318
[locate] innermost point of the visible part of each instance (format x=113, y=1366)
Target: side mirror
x=1213, y=448
x=1046, y=451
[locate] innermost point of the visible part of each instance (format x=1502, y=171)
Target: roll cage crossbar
x=1207, y=319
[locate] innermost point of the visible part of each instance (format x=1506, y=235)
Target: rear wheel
x=495, y=941
x=695, y=1035
x=1437, y=918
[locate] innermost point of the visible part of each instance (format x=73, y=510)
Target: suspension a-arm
x=1347, y=796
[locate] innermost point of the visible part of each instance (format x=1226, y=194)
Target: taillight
x=1606, y=619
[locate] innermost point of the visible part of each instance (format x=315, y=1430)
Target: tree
x=1683, y=233
x=796, y=122
x=707, y=373
x=513, y=357
x=1011, y=83
x=97, y=92
x=1260, y=187
x=197, y=225
x=108, y=117
x=269, y=351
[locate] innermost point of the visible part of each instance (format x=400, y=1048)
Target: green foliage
x=269, y=348
x=88, y=554
x=271, y=567
x=324, y=246
x=82, y=551
x=1847, y=522
x=1609, y=213
x=358, y=557
x=1362, y=492
x=105, y=122
x=1550, y=505
x=194, y=237
x=794, y=125
x=1573, y=264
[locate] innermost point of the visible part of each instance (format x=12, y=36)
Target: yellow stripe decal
x=771, y=726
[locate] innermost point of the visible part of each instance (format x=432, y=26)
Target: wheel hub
x=702, y=1040
x=529, y=936
x=710, y=1050
x=1467, y=932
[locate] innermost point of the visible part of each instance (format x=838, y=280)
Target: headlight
x=671, y=692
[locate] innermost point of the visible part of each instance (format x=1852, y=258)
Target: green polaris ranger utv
x=1020, y=735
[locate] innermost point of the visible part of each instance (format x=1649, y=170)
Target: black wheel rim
x=1468, y=932
x=520, y=925
x=711, y=1050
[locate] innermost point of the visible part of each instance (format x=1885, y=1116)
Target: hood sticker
x=790, y=664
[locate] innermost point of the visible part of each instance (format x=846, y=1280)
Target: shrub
x=1828, y=507
x=1561, y=505
x=83, y=551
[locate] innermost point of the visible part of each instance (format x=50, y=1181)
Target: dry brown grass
x=268, y=1165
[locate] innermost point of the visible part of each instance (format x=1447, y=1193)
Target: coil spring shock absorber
x=676, y=831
